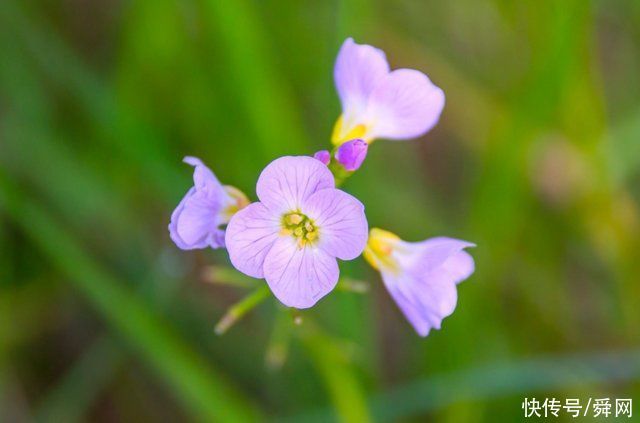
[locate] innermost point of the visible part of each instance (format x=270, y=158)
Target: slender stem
x=242, y=307
x=340, y=174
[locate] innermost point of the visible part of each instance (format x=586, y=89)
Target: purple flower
x=293, y=236
x=379, y=103
x=324, y=156
x=197, y=221
x=351, y=154
x=421, y=276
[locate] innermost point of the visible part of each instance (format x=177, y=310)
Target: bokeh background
x=536, y=159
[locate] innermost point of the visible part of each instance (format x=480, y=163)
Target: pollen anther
x=300, y=226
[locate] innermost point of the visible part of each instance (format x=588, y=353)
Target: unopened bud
x=351, y=154
x=324, y=156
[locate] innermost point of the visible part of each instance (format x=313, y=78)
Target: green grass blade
x=252, y=69
x=205, y=392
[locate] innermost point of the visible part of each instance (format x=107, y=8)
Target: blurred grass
x=209, y=396
x=535, y=160
x=84, y=383
x=540, y=376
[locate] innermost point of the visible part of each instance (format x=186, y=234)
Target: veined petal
x=405, y=104
x=341, y=222
x=422, y=276
x=297, y=276
x=433, y=292
x=193, y=223
x=425, y=301
x=249, y=237
x=288, y=181
x=358, y=69
x=431, y=254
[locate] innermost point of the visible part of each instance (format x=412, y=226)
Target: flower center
x=236, y=202
x=300, y=227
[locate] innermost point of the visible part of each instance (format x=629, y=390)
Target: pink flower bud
x=351, y=154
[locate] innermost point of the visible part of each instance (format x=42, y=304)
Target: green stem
x=339, y=172
x=242, y=307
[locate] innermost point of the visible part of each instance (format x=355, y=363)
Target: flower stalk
x=239, y=309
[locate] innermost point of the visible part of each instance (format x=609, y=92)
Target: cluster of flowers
x=303, y=224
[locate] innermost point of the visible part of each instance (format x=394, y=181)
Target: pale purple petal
x=359, y=68
x=341, y=222
x=250, y=234
x=191, y=222
x=425, y=286
x=203, y=177
x=299, y=277
x=286, y=182
x=460, y=266
x=431, y=254
x=423, y=315
x=406, y=104
x=195, y=221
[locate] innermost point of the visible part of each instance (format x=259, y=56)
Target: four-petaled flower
x=379, y=103
x=421, y=276
x=197, y=221
x=292, y=237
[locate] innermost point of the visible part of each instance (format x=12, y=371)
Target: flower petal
x=359, y=68
x=406, y=104
x=460, y=266
x=250, y=234
x=342, y=224
x=190, y=223
x=425, y=301
x=299, y=277
x=425, y=286
x=430, y=254
x=286, y=182
x=193, y=223
x=203, y=178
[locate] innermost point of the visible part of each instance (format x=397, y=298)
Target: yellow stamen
x=379, y=250
x=299, y=226
x=239, y=201
x=339, y=136
x=293, y=219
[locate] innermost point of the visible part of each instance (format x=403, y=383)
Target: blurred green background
x=536, y=159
